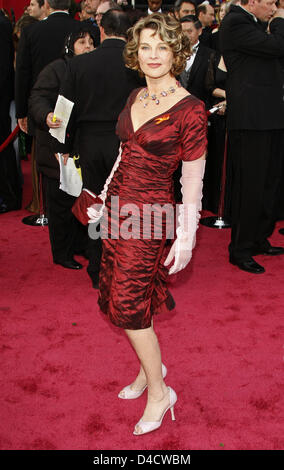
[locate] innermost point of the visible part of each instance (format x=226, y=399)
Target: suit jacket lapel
x=197, y=61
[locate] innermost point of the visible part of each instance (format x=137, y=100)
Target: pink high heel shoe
x=149, y=426
x=131, y=394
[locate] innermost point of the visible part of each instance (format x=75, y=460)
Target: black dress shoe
x=6, y=208
x=248, y=265
x=270, y=251
x=281, y=230
x=3, y=208
x=69, y=264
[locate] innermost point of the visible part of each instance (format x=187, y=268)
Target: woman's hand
x=52, y=121
x=222, y=110
x=181, y=253
x=65, y=157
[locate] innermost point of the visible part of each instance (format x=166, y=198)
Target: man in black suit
x=91, y=7
x=99, y=85
x=154, y=6
x=184, y=8
x=40, y=43
x=10, y=185
x=91, y=10
x=37, y=9
x=103, y=7
x=255, y=120
x=206, y=15
x=194, y=76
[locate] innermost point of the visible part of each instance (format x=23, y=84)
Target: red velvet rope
x=10, y=138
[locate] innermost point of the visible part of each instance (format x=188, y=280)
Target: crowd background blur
x=10, y=178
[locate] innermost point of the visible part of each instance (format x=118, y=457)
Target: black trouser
x=257, y=158
x=98, y=148
x=10, y=179
x=67, y=235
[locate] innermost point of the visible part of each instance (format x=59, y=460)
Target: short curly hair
x=169, y=30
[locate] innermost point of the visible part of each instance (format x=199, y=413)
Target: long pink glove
x=188, y=215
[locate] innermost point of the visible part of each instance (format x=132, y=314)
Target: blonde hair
x=169, y=30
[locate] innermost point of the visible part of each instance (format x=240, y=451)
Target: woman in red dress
x=159, y=126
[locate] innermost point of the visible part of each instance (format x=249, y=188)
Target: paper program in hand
x=62, y=110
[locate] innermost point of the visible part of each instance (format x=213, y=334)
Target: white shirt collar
x=195, y=46
x=59, y=11
x=151, y=12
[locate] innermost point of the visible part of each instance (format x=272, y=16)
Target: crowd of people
x=149, y=87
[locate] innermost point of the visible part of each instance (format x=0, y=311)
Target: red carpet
x=63, y=363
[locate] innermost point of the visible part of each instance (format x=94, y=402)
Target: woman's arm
x=188, y=214
x=219, y=93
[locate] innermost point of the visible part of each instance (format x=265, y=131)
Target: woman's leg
x=146, y=346
x=141, y=379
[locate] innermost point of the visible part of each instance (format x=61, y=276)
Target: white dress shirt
x=190, y=60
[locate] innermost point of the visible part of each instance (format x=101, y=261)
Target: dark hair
x=178, y=4
x=40, y=3
x=24, y=20
x=201, y=9
x=73, y=37
x=134, y=14
x=192, y=19
x=115, y=23
x=59, y=4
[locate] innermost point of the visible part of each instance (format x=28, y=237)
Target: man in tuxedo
x=91, y=7
x=83, y=15
x=103, y=7
x=154, y=6
x=184, y=8
x=255, y=121
x=37, y=9
x=206, y=15
x=99, y=85
x=194, y=75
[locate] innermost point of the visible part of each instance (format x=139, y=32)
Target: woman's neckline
x=154, y=117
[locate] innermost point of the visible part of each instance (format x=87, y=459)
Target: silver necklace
x=145, y=95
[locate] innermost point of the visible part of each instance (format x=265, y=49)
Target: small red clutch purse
x=85, y=200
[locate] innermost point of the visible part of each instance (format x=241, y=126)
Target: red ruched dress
x=132, y=285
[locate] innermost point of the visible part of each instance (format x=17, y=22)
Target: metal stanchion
x=219, y=221
x=35, y=220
